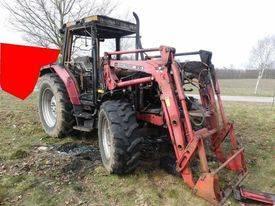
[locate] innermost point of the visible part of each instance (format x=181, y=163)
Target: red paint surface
x=69, y=82
x=20, y=67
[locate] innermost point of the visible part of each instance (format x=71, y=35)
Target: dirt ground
x=39, y=170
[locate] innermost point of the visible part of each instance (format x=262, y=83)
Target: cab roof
x=104, y=26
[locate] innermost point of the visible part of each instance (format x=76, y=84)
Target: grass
x=246, y=87
x=25, y=178
x=254, y=125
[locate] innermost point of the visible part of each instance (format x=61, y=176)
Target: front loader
x=121, y=93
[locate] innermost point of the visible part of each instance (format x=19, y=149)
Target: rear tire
x=119, y=141
x=54, y=106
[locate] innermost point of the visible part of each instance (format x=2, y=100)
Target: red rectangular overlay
x=20, y=66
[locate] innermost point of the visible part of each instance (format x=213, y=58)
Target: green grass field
x=245, y=87
x=32, y=177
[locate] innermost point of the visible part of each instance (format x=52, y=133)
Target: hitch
x=245, y=195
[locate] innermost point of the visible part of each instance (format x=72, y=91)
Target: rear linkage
x=186, y=141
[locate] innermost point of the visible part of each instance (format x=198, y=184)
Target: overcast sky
x=228, y=28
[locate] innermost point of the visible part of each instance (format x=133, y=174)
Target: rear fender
x=68, y=79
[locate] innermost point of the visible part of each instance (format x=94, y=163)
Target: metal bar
x=95, y=55
x=152, y=118
x=187, y=53
x=222, y=136
x=135, y=81
x=118, y=47
x=186, y=173
x=181, y=95
x=228, y=160
x=203, y=133
x=262, y=197
x=212, y=122
x=138, y=41
x=64, y=48
x=187, y=154
x=224, y=119
x=232, y=187
x=133, y=51
x=179, y=54
x=129, y=37
x=202, y=156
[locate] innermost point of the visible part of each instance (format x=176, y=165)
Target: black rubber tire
x=64, y=109
x=124, y=137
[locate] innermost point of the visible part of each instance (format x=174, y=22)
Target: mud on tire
x=52, y=90
x=117, y=132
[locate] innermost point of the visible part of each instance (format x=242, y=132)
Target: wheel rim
x=49, y=108
x=106, y=138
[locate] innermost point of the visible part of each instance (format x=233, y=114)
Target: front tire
x=119, y=141
x=54, y=106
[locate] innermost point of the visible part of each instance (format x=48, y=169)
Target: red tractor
x=124, y=93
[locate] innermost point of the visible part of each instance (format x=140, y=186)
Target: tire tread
x=127, y=142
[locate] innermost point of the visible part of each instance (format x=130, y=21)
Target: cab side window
x=81, y=46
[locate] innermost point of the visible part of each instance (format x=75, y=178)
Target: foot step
x=84, y=115
x=83, y=129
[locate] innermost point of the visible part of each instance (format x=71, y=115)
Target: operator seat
x=85, y=62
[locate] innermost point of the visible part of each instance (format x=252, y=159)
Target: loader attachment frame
x=187, y=142
x=242, y=194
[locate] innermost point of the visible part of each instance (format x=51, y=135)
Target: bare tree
x=41, y=20
x=263, y=56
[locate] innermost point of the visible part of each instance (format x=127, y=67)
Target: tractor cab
x=84, y=37
x=84, y=42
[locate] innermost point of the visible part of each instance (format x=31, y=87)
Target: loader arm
x=165, y=71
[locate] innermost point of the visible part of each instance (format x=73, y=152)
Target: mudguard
x=68, y=79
